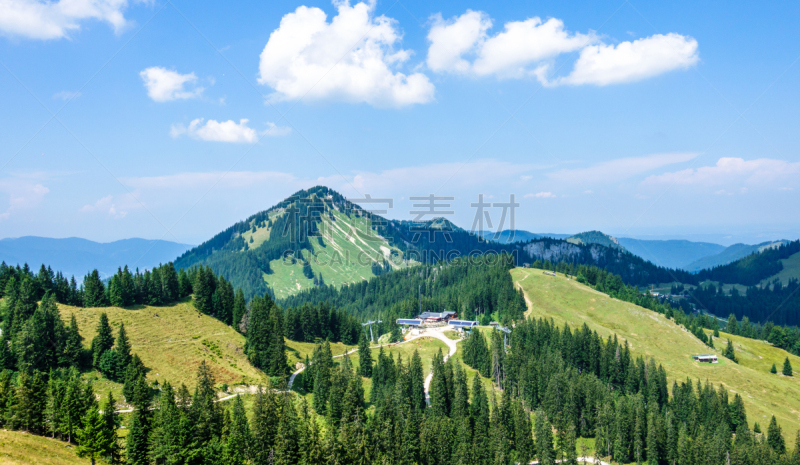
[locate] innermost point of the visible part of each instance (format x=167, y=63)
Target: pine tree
x=122, y=352
x=417, y=383
x=774, y=369
x=364, y=357
x=237, y=445
x=95, y=440
x=137, y=447
x=544, y=439
x=239, y=309
x=729, y=352
x=787, y=367
x=775, y=437
x=103, y=341
x=73, y=345
x=112, y=422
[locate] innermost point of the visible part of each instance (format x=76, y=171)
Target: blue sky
x=174, y=120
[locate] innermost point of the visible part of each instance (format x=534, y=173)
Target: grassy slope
x=651, y=334
x=169, y=340
x=350, y=248
x=791, y=270
x=20, y=448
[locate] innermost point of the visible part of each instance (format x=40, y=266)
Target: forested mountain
x=729, y=255
x=677, y=254
x=754, y=268
x=76, y=257
x=595, y=237
x=316, y=237
x=473, y=290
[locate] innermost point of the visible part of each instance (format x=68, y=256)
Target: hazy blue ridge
x=76, y=256
x=728, y=255
x=671, y=253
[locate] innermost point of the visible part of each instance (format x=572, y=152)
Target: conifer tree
x=122, y=352
x=544, y=439
x=103, y=341
x=364, y=357
x=417, y=383
x=287, y=441
x=112, y=422
x=775, y=437
x=774, y=369
x=787, y=367
x=95, y=440
x=729, y=352
x=237, y=445
x=239, y=309
x=73, y=344
x=136, y=444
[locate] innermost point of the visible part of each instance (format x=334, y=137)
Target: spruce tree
x=237, y=444
x=112, y=422
x=775, y=437
x=95, y=440
x=774, y=369
x=544, y=439
x=729, y=352
x=103, y=341
x=73, y=344
x=122, y=352
x=239, y=309
x=417, y=383
x=137, y=448
x=787, y=367
x=364, y=357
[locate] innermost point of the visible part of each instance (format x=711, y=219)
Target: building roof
x=409, y=321
x=436, y=314
x=462, y=323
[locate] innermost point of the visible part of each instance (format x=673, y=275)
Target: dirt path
x=438, y=333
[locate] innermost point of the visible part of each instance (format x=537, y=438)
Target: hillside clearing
x=20, y=448
x=173, y=340
x=652, y=335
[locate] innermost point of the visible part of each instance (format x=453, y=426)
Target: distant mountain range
x=76, y=257
x=729, y=255
x=672, y=253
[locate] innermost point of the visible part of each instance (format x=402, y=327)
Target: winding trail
x=438, y=333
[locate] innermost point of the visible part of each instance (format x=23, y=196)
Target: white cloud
x=22, y=194
x=226, y=131
x=510, y=53
x=540, y=195
x=619, y=169
x=603, y=64
x=526, y=178
x=65, y=95
x=528, y=48
x=450, y=40
x=351, y=58
x=106, y=205
x=37, y=19
x=164, y=85
x=758, y=172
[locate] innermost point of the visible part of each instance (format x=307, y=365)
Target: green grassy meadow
x=653, y=335
x=172, y=341
x=19, y=448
